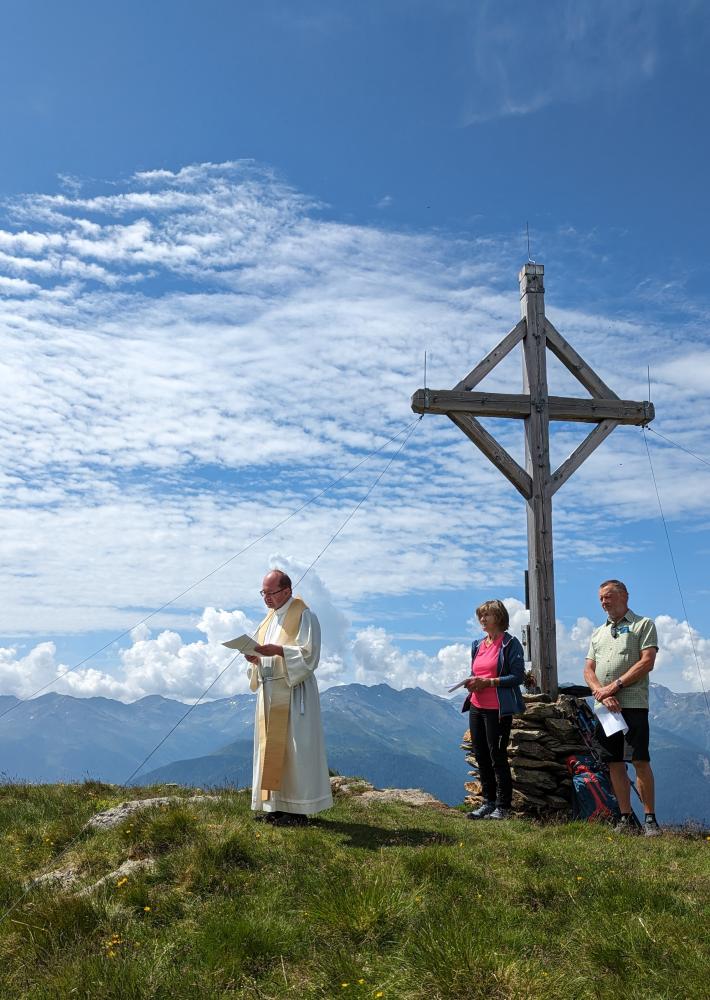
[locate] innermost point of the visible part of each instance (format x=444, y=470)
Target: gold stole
x=274, y=730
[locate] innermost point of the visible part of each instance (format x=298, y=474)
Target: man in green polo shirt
x=621, y=655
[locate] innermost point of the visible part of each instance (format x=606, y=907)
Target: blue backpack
x=593, y=798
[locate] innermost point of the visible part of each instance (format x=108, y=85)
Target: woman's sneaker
x=499, y=813
x=482, y=812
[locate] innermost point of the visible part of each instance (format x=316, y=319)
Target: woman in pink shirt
x=497, y=671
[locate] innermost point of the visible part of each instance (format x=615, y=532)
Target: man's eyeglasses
x=270, y=593
x=617, y=630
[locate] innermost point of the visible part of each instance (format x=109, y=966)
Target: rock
x=409, y=796
x=62, y=878
x=539, y=780
x=528, y=734
x=109, y=818
x=367, y=793
x=557, y=802
x=125, y=870
x=546, y=765
x=567, y=707
x=522, y=799
x=537, y=712
x=521, y=724
x=561, y=727
x=65, y=878
x=342, y=786
x=537, y=750
x=537, y=699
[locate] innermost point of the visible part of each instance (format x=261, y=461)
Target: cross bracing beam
x=504, y=462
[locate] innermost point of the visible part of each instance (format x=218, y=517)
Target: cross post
x=543, y=629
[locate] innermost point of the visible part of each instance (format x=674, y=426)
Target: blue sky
x=229, y=232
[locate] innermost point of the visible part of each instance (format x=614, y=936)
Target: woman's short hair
x=498, y=610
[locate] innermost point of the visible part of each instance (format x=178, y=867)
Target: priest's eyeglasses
x=270, y=593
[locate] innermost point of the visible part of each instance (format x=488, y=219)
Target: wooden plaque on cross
x=536, y=482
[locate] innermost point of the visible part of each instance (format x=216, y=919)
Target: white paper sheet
x=459, y=685
x=244, y=643
x=612, y=722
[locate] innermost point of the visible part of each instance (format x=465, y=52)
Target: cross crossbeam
x=536, y=482
x=502, y=404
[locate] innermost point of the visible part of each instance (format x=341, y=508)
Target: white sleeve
x=253, y=675
x=302, y=657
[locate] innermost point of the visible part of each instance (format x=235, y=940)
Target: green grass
x=366, y=902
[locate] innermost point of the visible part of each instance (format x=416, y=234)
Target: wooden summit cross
x=536, y=482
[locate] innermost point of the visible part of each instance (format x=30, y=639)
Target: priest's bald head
x=276, y=588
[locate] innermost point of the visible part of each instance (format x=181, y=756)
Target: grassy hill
x=368, y=901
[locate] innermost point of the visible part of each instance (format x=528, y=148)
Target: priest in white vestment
x=290, y=774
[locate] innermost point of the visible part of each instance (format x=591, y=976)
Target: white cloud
x=167, y=665
x=198, y=352
x=378, y=660
x=683, y=656
x=23, y=675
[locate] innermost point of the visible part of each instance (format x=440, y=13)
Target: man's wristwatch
x=619, y=684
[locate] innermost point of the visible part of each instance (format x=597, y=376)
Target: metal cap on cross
x=536, y=482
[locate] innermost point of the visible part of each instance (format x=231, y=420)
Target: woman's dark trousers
x=490, y=735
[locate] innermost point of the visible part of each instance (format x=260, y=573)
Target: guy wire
x=191, y=708
x=360, y=502
x=676, y=445
x=302, y=576
x=675, y=571
x=212, y=572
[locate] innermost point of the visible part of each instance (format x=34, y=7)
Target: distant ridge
x=405, y=738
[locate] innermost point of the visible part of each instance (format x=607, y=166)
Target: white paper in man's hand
x=244, y=643
x=459, y=685
x=612, y=722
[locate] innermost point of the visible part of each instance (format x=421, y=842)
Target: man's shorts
x=636, y=738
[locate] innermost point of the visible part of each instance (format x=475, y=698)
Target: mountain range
x=405, y=738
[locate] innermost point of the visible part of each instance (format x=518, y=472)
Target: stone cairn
x=541, y=740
